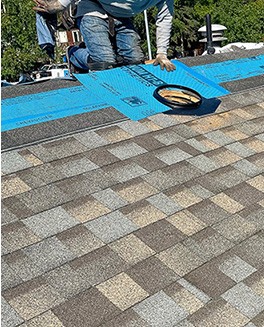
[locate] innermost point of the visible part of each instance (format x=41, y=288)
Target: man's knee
x=96, y=37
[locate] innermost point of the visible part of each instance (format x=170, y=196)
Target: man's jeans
x=99, y=48
x=46, y=25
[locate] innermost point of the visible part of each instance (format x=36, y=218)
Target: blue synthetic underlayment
x=41, y=107
x=232, y=70
x=134, y=98
x=130, y=89
x=37, y=108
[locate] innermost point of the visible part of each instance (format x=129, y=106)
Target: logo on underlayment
x=134, y=101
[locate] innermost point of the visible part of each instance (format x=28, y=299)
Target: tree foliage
x=244, y=20
x=20, y=50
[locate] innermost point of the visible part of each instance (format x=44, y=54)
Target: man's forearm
x=163, y=38
x=163, y=26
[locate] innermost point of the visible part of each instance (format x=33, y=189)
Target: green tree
x=139, y=23
x=185, y=26
x=20, y=51
x=244, y=20
x=184, y=29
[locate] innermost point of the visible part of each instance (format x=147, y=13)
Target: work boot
x=97, y=66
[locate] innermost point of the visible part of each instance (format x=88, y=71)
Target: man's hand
x=164, y=62
x=49, y=6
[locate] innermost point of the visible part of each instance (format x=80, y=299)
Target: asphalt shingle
x=156, y=222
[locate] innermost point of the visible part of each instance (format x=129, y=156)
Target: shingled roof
x=159, y=222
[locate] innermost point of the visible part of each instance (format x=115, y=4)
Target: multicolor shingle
x=151, y=223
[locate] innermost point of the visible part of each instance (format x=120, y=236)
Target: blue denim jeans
x=101, y=48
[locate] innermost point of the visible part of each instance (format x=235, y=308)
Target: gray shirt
x=129, y=8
